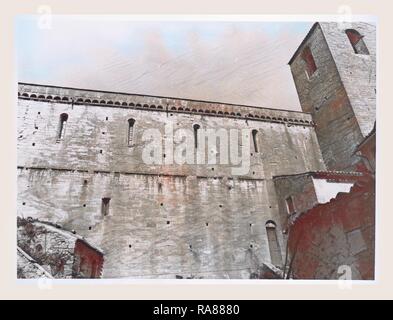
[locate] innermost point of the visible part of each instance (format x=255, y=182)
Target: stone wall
x=162, y=221
x=337, y=239
x=331, y=94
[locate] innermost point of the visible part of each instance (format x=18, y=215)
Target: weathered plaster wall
x=329, y=94
x=163, y=221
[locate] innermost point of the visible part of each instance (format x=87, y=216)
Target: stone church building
x=80, y=167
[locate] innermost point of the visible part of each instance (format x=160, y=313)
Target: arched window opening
x=357, y=42
x=274, y=246
x=254, y=140
x=62, y=126
x=130, y=136
x=196, y=128
x=105, y=206
x=309, y=60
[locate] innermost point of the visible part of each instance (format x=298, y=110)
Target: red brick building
x=325, y=236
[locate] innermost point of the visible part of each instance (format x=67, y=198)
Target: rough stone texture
x=221, y=217
x=63, y=254
x=340, y=95
x=336, y=234
x=28, y=268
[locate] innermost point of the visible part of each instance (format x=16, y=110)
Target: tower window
x=62, y=126
x=309, y=60
x=274, y=246
x=105, y=206
x=130, y=136
x=290, y=205
x=254, y=139
x=357, y=42
x=196, y=128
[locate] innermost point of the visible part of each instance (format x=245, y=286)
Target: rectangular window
x=309, y=60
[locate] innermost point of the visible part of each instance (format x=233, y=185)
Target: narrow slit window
x=105, y=206
x=255, y=139
x=274, y=246
x=130, y=135
x=309, y=60
x=196, y=128
x=290, y=205
x=357, y=42
x=62, y=126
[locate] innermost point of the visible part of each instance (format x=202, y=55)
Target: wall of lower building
x=337, y=239
x=88, y=262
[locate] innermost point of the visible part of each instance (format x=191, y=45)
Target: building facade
x=80, y=165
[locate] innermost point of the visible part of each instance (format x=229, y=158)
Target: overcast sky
x=235, y=62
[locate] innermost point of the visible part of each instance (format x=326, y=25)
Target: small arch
x=130, y=136
x=95, y=101
x=117, y=103
x=214, y=111
x=57, y=98
x=200, y=111
x=239, y=114
x=138, y=105
x=79, y=100
x=160, y=107
x=125, y=104
x=232, y=114
x=180, y=109
x=152, y=106
x=146, y=106
x=49, y=97
x=187, y=109
x=103, y=102
x=131, y=104
x=33, y=96
x=25, y=95
x=196, y=127
x=173, y=109
x=250, y=115
x=220, y=112
x=194, y=110
x=87, y=101
x=41, y=97
x=207, y=111
x=109, y=102
x=65, y=99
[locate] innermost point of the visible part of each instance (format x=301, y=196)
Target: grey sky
x=236, y=62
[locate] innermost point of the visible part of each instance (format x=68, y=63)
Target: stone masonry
x=77, y=168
